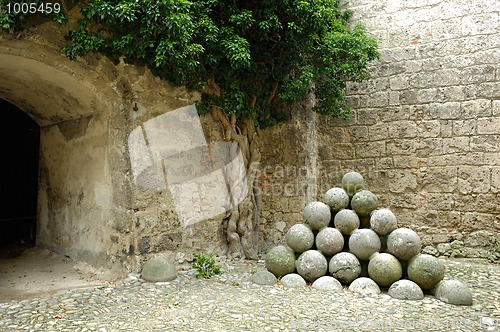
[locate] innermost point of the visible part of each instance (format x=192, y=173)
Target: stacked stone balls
x=348, y=237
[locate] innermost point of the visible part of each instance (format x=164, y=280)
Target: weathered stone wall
x=89, y=206
x=426, y=128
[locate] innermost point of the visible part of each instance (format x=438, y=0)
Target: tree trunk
x=243, y=221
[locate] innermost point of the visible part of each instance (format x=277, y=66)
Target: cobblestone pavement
x=231, y=303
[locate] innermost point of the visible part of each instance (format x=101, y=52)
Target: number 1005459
x=33, y=8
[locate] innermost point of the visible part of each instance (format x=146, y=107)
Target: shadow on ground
x=31, y=272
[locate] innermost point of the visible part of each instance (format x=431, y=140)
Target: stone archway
x=83, y=195
x=19, y=150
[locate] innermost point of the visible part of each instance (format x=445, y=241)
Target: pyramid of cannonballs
x=348, y=240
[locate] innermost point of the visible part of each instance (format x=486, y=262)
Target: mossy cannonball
x=317, y=215
x=311, y=265
x=425, y=270
x=280, y=260
x=364, y=202
x=352, y=182
x=383, y=221
x=300, y=238
x=346, y=221
x=345, y=267
x=363, y=243
x=384, y=269
x=329, y=241
x=404, y=243
x=336, y=198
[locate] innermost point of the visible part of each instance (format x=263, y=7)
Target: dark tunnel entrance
x=19, y=149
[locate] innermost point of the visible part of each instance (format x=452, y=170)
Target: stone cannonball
x=346, y=221
x=425, y=270
x=329, y=241
x=405, y=290
x=453, y=291
x=363, y=243
x=383, y=221
x=317, y=215
x=311, y=265
x=404, y=243
x=336, y=198
x=364, y=202
x=280, y=260
x=352, y=182
x=384, y=269
x=300, y=238
x=293, y=280
x=344, y=267
x=364, y=286
x=327, y=283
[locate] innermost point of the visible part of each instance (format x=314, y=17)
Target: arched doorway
x=19, y=148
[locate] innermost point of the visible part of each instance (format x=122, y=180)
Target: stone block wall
x=426, y=128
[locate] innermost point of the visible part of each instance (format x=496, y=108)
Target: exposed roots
x=243, y=222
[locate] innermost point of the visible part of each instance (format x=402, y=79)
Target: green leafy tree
x=251, y=59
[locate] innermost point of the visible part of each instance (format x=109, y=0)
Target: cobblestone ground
x=231, y=303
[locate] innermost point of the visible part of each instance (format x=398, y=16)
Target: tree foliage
x=251, y=58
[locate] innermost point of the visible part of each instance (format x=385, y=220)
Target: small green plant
x=206, y=266
x=254, y=271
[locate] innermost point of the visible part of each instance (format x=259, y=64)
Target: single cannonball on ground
x=353, y=182
x=364, y=202
x=404, y=243
x=311, y=265
x=425, y=270
x=363, y=243
x=300, y=238
x=293, y=280
x=405, y=290
x=383, y=221
x=346, y=221
x=317, y=215
x=327, y=283
x=336, y=198
x=384, y=269
x=280, y=260
x=453, y=291
x=345, y=267
x=364, y=286
x=263, y=278
x=329, y=241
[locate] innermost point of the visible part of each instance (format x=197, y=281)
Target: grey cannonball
x=336, y=198
x=384, y=269
x=352, y=182
x=280, y=260
x=293, y=280
x=405, y=290
x=300, y=238
x=453, y=291
x=364, y=202
x=327, y=283
x=329, y=241
x=346, y=221
x=383, y=221
x=425, y=270
x=363, y=243
x=345, y=267
x=317, y=215
x=311, y=265
x=364, y=286
x=404, y=243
